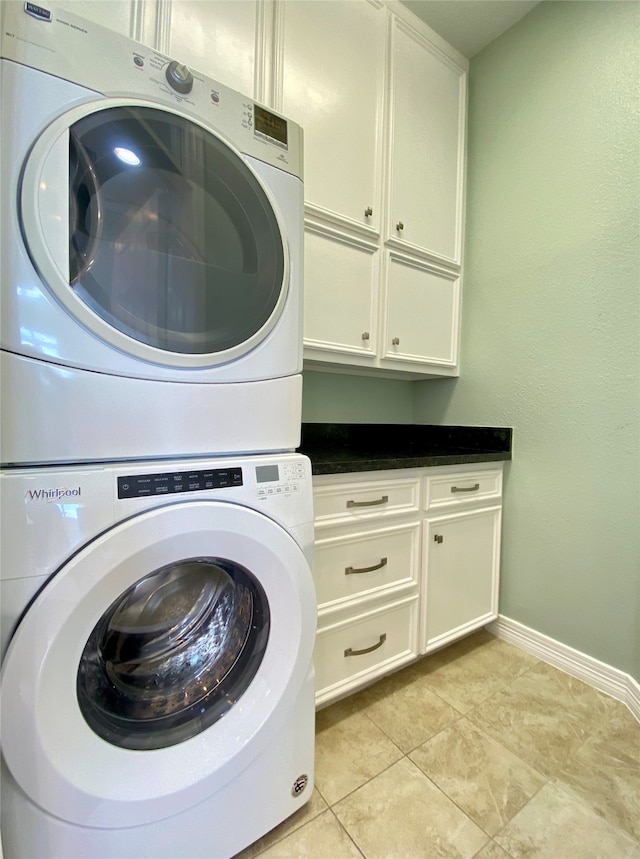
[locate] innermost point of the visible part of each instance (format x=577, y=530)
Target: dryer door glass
x=173, y=653
x=173, y=240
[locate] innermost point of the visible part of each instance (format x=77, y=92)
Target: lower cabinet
x=461, y=554
x=406, y=561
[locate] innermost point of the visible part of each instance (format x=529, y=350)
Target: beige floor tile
x=556, y=824
x=322, y=838
x=469, y=671
x=492, y=851
x=486, y=780
x=605, y=772
x=313, y=808
x=406, y=709
x=544, y=717
x=622, y=731
x=401, y=814
x=579, y=698
x=350, y=749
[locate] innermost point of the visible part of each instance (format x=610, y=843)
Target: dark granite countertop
x=340, y=448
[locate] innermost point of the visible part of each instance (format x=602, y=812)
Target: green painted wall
x=551, y=328
x=338, y=398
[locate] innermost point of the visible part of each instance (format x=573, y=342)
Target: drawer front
x=366, y=562
x=451, y=490
x=356, y=502
x=347, y=653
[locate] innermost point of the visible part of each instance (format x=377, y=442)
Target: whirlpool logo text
x=53, y=494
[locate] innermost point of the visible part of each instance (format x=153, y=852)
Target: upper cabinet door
x=427, y=147
x=332, y=66
x=221, y=39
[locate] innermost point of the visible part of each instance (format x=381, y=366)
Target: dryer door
x=154, y=233
x=157, y=663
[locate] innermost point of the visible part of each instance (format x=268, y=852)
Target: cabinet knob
x=399, y=226
x=438, y=538
x=368, y=212
x=365, y=335
x=395, y=341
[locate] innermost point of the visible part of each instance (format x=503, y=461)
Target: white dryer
x=151, y=253
x=157, y=690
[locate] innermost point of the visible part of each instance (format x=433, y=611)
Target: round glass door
x=173, y=653
x=169, y=241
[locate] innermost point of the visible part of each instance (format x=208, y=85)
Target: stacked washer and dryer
x=158, y=610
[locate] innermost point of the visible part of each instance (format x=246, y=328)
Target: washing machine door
x=157, y=663
x=155, y=233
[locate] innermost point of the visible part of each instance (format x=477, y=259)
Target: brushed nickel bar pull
x=465, y=488
x=350, y=571
x=382, y=500
x=351, y=652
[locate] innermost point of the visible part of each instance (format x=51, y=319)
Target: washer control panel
x=279, y=479
x=170, y=482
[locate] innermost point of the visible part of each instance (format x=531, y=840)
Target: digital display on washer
x=267, y=473
x=270, y=124
x=170, y=482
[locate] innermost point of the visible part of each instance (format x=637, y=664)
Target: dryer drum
x=173, y=653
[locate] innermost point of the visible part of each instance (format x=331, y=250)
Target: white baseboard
x=598, y=674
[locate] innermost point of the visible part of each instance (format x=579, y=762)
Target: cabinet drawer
x=353, y=502
x=348, y=653
x=451, y=490
x=353, y=565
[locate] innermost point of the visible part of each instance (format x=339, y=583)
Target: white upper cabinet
x=332, y=58
x=426, y=146
x=224, y=40
x=421, y=316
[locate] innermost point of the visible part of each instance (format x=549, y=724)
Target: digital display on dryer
x=170, y=482
x=270, y=124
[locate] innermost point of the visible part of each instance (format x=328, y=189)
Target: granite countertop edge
x=327, y=466
x=344, y=448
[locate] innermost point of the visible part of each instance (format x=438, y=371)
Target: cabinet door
x=428, y=103
x=332, y=84
x=422, y=314
x=340, y=295
x=218, y=39
x=462, y=555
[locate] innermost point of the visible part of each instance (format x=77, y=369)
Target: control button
x=139, y=62
x=179, y=77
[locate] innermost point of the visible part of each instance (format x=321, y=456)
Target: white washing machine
x=151, y=253
x=157, y=692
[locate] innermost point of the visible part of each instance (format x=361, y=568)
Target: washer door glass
x=173, y=653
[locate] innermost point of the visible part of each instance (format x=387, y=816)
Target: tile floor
x=479, y=750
